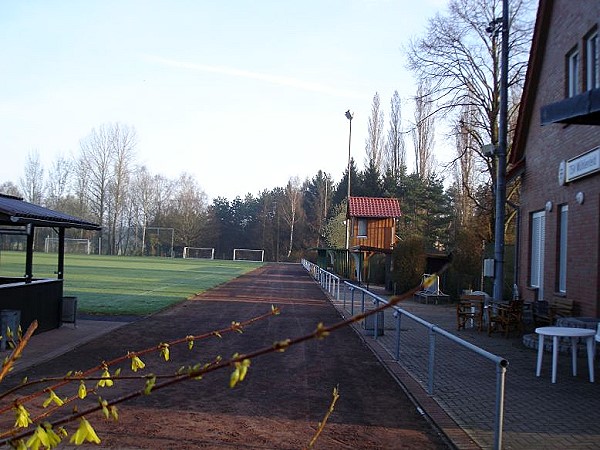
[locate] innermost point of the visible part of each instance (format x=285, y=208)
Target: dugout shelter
x=35, y=298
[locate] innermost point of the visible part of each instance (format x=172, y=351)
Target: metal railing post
x=431, y=371
x=398, y=316
x=499, y=413
x=376, y=320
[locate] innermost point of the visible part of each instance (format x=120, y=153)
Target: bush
x=408, y=263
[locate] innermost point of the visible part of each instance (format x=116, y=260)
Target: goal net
x=158, y=241
x=198, y=253
x=81, y=246
x=244, y=254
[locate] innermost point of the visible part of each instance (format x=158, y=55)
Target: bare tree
x=188, y=210
x=123, y=141
x=32, y=182
x=460, y=59
x=96, y=159
x=58, y=182
x=395, y=145
x=374, y=142
x=290, y=210
x=9, y=188
x=465, y=169
x=423, y=133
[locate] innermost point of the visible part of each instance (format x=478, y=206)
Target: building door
x=536, y=270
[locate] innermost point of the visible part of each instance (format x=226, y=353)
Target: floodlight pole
x=501, y=162
x=349, y=116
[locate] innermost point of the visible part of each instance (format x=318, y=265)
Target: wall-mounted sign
x=583, y=165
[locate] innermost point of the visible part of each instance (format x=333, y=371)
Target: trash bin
x=69, y=311
x=369, y=324
x=9, y=318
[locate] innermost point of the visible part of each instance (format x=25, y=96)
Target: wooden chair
x=470, y=309
x=505, y=317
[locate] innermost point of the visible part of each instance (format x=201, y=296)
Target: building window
x=562, y=248
x=573, y=72
x=592, y=66
x=362, y=227
x=536, y=269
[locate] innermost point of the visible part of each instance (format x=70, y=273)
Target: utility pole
x=501, y=161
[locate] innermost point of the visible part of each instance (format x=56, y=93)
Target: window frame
x=592, y=60
x=572, y=72
x=562, y=249
x=536, y=251
x=362, y=227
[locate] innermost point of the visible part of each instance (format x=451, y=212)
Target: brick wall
x=546, y=147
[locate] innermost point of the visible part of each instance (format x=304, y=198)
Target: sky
x=242, y=95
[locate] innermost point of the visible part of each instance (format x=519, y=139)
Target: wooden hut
x=373, y=225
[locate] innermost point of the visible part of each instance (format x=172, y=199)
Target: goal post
x=246, y=254
x=81, y=246
x=198, y=253
x=158, y=241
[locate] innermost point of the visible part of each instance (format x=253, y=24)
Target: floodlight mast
x=349, y=116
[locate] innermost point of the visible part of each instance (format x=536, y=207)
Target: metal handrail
x=331, y=284
x=328, y=281
x=433, y=330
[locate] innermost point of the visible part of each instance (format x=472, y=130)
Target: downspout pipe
x=517, y=208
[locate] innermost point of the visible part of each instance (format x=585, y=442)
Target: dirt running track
x=284, y=396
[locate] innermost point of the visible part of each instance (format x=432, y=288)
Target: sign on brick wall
x=583, y=165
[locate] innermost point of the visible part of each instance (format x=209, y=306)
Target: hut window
x=362, y=227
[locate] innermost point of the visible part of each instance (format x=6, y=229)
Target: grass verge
x=124, y=285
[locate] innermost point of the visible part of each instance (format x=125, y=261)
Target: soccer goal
x=198, y=253
x=245, y=254
x=81, y=246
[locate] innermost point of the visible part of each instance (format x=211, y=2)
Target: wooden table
x=573, y=334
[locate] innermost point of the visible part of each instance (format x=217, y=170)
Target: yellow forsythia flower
x=53, y=438
x=82, y=392
x=275, y=310
x=236, y=326
x=321, y=331
x=114, y=412
x=106, y=380
x=53, y=398
x=21, y=445
x=136, y=363
x=43, y=436
x=164, y=351
x=190, y=341
x=23, y=419
x=85, y=432
x=241, y=368
x=150, y=382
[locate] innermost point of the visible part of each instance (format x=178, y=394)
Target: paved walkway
x=538, y=414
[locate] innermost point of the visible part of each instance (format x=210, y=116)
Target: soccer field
x=124, y=285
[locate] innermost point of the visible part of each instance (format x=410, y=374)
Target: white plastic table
x=574, y=334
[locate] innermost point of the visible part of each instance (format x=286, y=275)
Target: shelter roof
x=373, y=207
x=16, y=212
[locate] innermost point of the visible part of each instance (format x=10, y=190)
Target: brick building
x=556, y=155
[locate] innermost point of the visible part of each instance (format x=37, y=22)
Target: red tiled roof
x=373, y=207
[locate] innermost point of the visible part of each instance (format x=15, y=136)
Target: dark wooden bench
x=547, y=312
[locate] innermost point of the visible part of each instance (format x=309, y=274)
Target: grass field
x=122, y=285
